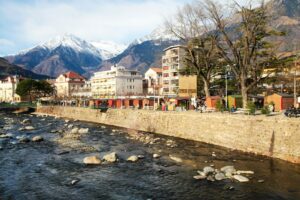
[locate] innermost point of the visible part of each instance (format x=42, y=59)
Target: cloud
x=119, y=20
x=35, y=21
x=5, y=42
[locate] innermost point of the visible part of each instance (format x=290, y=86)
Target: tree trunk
x=206, y=88
x=244, y=93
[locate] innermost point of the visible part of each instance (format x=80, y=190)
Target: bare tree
x=190, y=25
x=243, y=44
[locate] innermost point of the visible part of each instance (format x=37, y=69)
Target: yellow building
x=68, y=83
x=188, y=86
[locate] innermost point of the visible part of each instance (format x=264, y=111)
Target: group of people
x=199, y=104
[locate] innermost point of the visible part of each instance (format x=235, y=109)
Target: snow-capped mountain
x=109, y=49
x=58, y=55
x=159, y=34
x=144, y=52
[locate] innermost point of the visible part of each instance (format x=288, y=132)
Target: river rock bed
x=128, y=164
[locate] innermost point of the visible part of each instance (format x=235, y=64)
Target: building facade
x=172, y=62
x=153, y=77
x=188, y=86
x=117, y=81
x=69, y=83
x=8, y=88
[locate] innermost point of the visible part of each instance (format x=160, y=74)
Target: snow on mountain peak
x=109, y=49
x=72, y=41
x=160, y=33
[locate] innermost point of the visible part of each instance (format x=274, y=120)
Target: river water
x=45, y=170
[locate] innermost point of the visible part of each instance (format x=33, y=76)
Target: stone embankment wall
x=275, y=136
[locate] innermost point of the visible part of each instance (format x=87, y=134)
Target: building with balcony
x=69, y=83
x=117, y=81
x=153, y=79
x=172, y=62
x=8, y=88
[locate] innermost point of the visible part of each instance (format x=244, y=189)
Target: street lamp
x=226, y=86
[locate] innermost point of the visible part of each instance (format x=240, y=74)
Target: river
x=45, y=170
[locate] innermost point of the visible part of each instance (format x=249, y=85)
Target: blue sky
x=26, y=23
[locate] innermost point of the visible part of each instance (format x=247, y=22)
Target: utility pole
x=295, y=81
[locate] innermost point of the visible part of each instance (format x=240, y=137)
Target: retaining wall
x=275, y=136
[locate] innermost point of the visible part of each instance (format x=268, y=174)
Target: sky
x=26, y=23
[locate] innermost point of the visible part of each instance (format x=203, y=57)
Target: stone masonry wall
x=275, y=136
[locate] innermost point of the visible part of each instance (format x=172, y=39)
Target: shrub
x=251, y=107
x=219, y=105
x=265, y=110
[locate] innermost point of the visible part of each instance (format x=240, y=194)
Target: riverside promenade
x=274, y=136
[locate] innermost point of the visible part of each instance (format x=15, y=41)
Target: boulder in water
x=133, y=158
x=70, y=126
x=228, y=169
x=240, y=178
x=220, y=176
x=26, y=121
x=244, y=172
x=83, y=130
x=75, y=181
x=24, y=140
x=176, y=159
x=112, y=157
x=199, y=177
x=207, y=170
x=37, y=138
x=92, y=160
x=74, y=130
x=29, y=128
x=156, y=155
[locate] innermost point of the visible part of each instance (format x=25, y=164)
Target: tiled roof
x=72, y=75
x=156, y=69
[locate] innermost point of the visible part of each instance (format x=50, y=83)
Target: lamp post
x=226, y=87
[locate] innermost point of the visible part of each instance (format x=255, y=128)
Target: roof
x=174, y=46
x=156, y=69
x=72, y=75
x=285, y=95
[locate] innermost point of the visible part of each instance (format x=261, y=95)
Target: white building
x=116, y=82
x=172, y=62
x=8, y=88
x=153, y=78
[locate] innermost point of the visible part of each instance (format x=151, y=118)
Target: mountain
x=58, y=55
x=143, y=53
x=285, y=16
x=7, y=69
x=109, y=49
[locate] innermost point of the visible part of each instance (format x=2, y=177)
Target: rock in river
x=26, y=121
x=83, y=130
x=37, y=138
x=241, y=178
x=208, y=170
x=29, y=128
x=199, y=177
x=228, y=169
x=133, y=158
x=156, y=155
x=24, y=140
x=112, y=157
x=220, y=176
x=176, y=159
x=92, y=160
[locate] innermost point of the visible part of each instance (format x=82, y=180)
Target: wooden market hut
x=235, y=100
x=281, y=101
x=212, y=101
